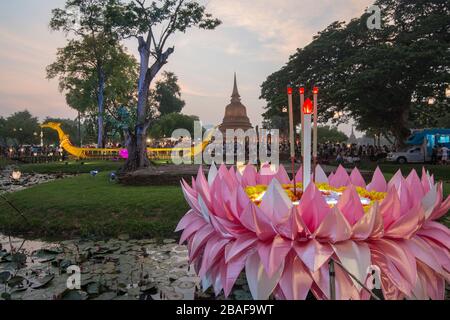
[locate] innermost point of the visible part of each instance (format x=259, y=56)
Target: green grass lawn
x=4, y=162
x=93, y=207
x=71, y=166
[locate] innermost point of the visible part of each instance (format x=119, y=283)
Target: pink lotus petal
x=233, y=270
x=313, y=253
x=340, y=178
x=199, y=239
x=320, y=176
x=282, y=176
x=433, y=286
x=350, y=205
x=240, y=245
x=191, y=196
x=187, y=219
x=396, y=180
x=430, y=201
x=436, y=232
x=334, y=227
x=295, y=281
x=425, y=180
x=345, y=290
x=313, y=208
x=260, y=284
x=212, y=173
x=365, y=227
x=249, y=176
x=400, y=264
x=255, y=220
x=390, y=208
x=213, y=251
x=355, y=257
x=299, y=175
x=423, y=252
x=202, y=187
x=275, y=203
x=195, y=225
x=378, y=182
x=406, y=225
x=415, y=187
x=321, y=284
x=441, y=207
x=288, y=227
x=356, y=178
x=273, y=253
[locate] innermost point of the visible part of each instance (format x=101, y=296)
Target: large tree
x=381, y=78
x=152, y=24
x=167, y=94
x=93, y=67
x=22, y=128
x=168, y=123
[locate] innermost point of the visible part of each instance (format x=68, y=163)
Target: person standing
x=444, y=151
x=434, y=155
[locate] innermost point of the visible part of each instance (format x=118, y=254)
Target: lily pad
x=42, y=282
x=5, y=276
x=74, y=295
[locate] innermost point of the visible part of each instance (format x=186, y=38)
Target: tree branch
x=168, y=31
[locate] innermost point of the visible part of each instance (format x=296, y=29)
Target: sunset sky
x=255, y=39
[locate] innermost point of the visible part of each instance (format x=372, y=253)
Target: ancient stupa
x=235, y=113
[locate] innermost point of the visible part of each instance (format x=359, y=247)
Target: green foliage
x=330, y=134
x=380, y=78
x=167, y=94
x=94, y=69
x=19, y=128
x=165, y=125
x=77, y=66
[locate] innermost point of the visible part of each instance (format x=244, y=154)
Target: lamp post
x=307, y=111
x=315, y=94
x=291, y=135
x=301, y=90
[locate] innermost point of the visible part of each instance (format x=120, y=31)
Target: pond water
x=110, y=270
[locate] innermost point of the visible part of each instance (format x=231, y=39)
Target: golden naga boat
x=153, y=153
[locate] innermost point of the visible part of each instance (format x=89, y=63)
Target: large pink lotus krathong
x=285, y=248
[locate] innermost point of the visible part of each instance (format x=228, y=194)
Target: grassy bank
x=71, y=167
x=87, y=206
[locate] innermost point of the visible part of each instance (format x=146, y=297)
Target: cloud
x=283, y=26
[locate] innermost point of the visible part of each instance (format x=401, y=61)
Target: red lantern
x=315, y=90
x=307, y=107
x=289, y=90
x=302, y=90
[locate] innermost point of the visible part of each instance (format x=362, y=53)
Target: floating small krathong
x=252, y=221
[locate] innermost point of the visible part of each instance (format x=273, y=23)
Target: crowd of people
x=23, y=151
x=327, y=152
x=342, y=152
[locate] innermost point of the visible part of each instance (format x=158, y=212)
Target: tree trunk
x=100, y=101
x=400, y=131
x=137, y=148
